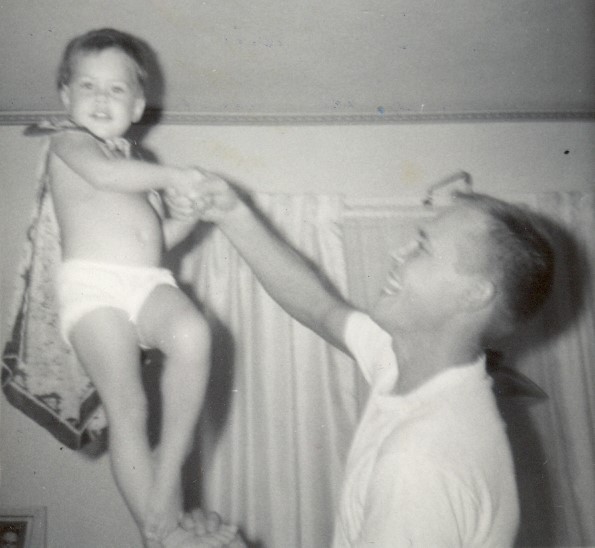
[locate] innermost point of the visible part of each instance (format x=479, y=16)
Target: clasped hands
x=207, y=199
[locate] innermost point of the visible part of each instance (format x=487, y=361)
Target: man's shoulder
x=359, y=325
x=370, y=345
x=362, y=332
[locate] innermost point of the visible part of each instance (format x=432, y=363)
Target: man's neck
x=421, y=357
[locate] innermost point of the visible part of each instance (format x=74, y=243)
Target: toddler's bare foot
x=237, y=542
x=180, y=538
x=162, y=514
x=224, y=535
x=151, y=543
x=210, y=530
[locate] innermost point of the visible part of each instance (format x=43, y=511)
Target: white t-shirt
x=431, y=468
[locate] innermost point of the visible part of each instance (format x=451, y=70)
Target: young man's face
x=103, y=94
x=428, y=284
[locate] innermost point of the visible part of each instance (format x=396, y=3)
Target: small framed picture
x=22, y=527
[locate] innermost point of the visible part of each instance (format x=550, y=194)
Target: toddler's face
x=103, y=94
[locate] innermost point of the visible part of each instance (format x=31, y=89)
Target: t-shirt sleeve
x=369, y=344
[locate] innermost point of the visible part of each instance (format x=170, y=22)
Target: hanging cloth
x=41, y=375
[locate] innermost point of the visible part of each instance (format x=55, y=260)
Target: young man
x=430, y=463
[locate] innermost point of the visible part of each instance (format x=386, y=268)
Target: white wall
x=84, y=509
x=387, y=160
x=346, y=56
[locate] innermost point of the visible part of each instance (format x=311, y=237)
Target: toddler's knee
x=191, y=335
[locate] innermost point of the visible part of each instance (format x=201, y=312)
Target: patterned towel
x=41, y=375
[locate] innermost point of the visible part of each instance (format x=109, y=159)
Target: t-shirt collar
x=444, y=382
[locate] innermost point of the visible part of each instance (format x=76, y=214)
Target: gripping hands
x=207, y=198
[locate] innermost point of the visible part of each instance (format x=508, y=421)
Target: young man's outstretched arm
x=282, y=271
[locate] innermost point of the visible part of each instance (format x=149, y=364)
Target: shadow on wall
x=514, y=397
x=154, y=94
x=217, y=404
x=518, y=397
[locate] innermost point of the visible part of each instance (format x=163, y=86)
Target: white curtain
x=282, y=405
x=557, y=472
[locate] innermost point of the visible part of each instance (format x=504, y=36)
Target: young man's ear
x=139, y=108
x=480, y=293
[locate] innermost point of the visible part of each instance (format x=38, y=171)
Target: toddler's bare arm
x=109, y=172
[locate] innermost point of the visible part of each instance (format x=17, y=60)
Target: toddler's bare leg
x=107, y=346
x=171, y=322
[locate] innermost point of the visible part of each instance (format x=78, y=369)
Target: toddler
x=114, y=297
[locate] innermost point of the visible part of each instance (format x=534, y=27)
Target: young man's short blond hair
x=520, y=257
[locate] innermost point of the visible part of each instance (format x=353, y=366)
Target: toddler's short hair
x=99, y=40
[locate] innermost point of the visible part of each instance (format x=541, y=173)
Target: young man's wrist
x=235, y=218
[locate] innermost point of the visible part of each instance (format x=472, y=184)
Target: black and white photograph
x=297, y=274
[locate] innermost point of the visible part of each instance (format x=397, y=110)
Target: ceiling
x=369, y=57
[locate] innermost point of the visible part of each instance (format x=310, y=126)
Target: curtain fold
x=282, y=404
x=563, y=363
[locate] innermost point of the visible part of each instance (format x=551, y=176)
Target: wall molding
x=224, y=119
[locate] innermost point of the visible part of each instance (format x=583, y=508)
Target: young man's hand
x=210, y=199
